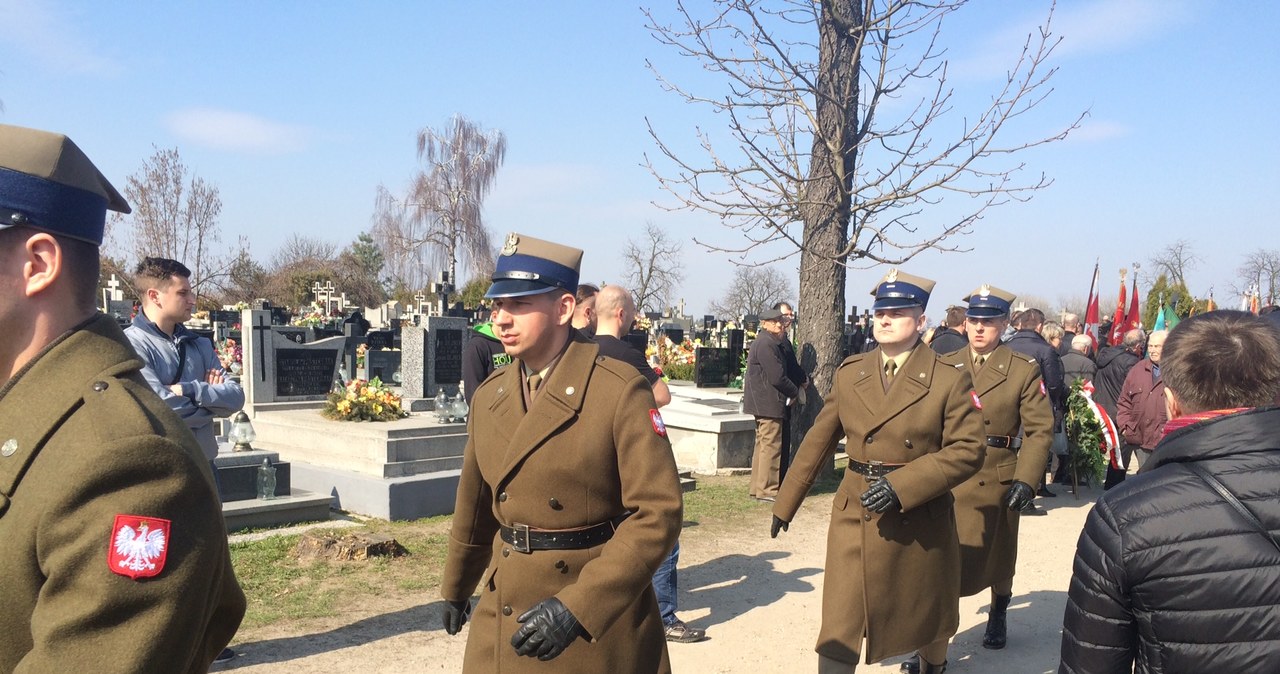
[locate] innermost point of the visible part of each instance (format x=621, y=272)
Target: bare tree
x=818, y=164
x=300, y=262
x=442, y=213
x=653, y=267
x=1261, y=269
x=175, y=216
x=752, y=290
x=1174, y=261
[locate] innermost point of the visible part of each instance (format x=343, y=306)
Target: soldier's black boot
x=911, y=665
x=997, y=626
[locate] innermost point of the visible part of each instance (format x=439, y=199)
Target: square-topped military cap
x=989, y=301
x=900, y=290
x=48, y=183
x=529, y=266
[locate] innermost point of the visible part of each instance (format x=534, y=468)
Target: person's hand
x=455, y=615
x=546, y=630
x=880, y=497
x=1019, y=496
x=214, y=377
x=177, y=389
x=778, y=525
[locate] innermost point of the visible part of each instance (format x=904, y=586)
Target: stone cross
x=421, y=298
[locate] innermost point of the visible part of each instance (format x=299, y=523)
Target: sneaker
x=225, y=656
x=683, y=634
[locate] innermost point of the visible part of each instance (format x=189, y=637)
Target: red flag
x=1134, y=320
x=1118, y=321
x=1091, y=311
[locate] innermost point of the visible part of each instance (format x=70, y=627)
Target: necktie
x=534, y=381
x=978, y=361
x=890, y=368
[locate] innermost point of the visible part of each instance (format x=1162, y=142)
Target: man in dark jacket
x=1027, y=341
x=1114, y=363
x=1192, y=584
x=951, y=334
x=767, y=391
x=482, y=355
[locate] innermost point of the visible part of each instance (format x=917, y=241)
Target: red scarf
x=1188, y=419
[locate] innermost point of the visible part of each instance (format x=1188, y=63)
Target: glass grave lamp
x=241, y=433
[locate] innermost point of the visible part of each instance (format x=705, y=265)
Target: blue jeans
x=664, y=585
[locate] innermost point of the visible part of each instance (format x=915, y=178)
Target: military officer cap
x=48, y=184
x=529, y=266
x=989, y=302
x=900, y=290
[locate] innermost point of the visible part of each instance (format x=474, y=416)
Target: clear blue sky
x=297, y=111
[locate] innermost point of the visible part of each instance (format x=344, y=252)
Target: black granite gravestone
x=713, y=367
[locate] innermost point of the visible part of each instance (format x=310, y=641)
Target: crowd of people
x=568, y=509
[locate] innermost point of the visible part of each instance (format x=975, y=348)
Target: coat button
x=986, y=421
x=502, y=498
x=506, y=552
x=555, y=505
x=99, y=386
x=982, y=483
x=908, y=444
x=871, y=439
x=560, y=564
x=506, y=610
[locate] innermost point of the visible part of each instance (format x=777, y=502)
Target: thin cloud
x=237, y=131
x=1096, y=131
x=51, y=36
x=1086, y=28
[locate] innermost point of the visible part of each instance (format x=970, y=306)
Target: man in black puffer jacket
x=1168, y=573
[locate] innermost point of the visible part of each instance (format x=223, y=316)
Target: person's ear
x=42, y=264
x=1172, y=408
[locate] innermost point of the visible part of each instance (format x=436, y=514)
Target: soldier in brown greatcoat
x=913, y=432
x=1019, y=428
x=568, y=499
x=113, y=551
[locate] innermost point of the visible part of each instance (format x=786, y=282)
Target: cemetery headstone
x=432, y=357
x=713, y=367
x=737, y=339
x=279, y=369
x=638, y=339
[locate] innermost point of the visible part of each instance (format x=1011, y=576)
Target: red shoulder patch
x=977, y=402
x=1043, y=392
x=138, y=546
x=658, y=426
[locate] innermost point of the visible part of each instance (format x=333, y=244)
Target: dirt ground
x=758, y=599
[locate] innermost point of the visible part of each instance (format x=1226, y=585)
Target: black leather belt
x=524, y=539
x=873, y=469
x=1004, y=441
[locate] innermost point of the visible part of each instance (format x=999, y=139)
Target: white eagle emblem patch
x=658, y=426
x=139, y=546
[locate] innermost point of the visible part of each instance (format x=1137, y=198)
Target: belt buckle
x=520, y=532
x=876, y=468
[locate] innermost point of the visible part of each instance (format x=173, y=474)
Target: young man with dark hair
x=1177, y=569
x=568, y=499
x=584, y=312
x=114, y=548
x=951, y=335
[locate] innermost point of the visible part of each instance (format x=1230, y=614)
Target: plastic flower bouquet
x=362, y=400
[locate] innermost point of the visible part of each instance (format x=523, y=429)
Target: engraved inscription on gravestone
x=303, y=372
x=448, y=355
x=712, y=367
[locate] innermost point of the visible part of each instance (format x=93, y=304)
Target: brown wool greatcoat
x=587, y=451
x=894, y=577
x=92, y=441
x=1009, y=386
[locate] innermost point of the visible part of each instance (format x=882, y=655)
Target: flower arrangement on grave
x=240, y=306
x=742, y=371
x=313, y=318
x=360, y=351
x=677, y=360
x=200, y=315
x=361, y=400
x=1090, y=433
x=231, y=355
x=642, y=322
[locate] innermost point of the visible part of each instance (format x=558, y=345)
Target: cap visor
x=517, y=288
x=985, y=312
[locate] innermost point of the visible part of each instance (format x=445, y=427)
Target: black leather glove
x=1019, y=496
x=778, y=525
x=546, y=630
x=455, y=615
x=880, y=497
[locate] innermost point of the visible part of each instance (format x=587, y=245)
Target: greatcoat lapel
x=910, y=384
x=558, y=402
x=994, y=372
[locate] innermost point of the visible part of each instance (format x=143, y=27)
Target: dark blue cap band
x=51, y=206
x=987, y=307
x=899, y=295
x=519, y=267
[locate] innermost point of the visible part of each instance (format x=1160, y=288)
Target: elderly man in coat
x=913, y=432
x=768, y=389
x=1019, y=427
x=1140, y=411
x=568, y=499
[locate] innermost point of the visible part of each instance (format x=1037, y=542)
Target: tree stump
x=349, y=547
